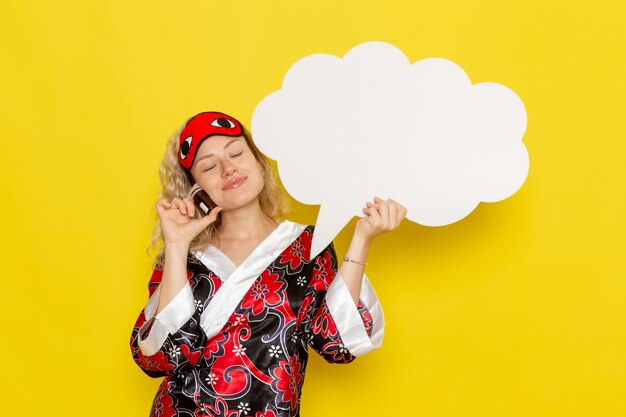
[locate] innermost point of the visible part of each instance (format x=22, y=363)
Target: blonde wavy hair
x=176, y=182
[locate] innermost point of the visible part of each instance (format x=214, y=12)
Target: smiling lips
x=235, y=182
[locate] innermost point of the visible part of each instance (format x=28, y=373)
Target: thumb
x=205, y=221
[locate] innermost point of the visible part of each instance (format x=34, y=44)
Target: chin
x=240, y=201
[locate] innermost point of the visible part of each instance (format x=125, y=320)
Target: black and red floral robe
x=234, y=341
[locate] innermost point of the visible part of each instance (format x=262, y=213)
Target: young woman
x=234, y=300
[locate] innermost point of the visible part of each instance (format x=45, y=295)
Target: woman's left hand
x=380, y=217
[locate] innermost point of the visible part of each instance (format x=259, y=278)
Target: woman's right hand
x=178, y=223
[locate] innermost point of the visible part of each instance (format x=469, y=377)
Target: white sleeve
x=168, y=321
x=349, y=323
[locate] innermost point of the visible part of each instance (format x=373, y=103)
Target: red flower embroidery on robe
x=157, y=362
x=323, y=272
x=265, y=292
x=297, y=254
x=288, y=381
x=163, y=403
x=220, y=409
x=266, y=413
x=323, y=322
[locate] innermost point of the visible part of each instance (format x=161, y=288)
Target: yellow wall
x=518, y=310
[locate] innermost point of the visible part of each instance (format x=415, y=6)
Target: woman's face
x=227, y=170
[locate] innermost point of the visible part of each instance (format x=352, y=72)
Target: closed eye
x=232, y=156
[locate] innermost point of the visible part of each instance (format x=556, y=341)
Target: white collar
x=240, y=279
x=260, y=258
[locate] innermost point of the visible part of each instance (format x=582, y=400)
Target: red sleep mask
x=200, y=127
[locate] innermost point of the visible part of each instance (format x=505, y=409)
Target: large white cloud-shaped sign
x=344, y=130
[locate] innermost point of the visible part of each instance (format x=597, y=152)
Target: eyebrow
x=210, y=154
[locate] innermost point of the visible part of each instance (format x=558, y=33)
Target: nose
x=229, y=169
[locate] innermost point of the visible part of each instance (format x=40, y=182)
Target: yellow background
x=518, y=310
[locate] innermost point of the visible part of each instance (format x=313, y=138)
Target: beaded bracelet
x=352, y=260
